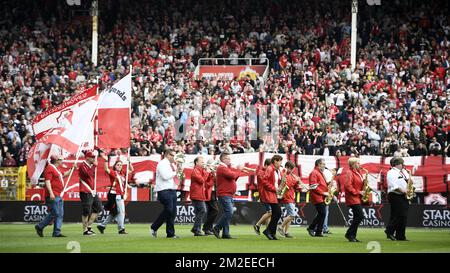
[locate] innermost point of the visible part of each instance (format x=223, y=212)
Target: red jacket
x=119, y=188
x=269, y=193
x=209, y=187
x=226, y=180
x=316, y=177
x=289, y=196
x=199, y=176
x=353, y=185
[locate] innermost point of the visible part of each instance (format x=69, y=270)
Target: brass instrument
x=331, y=189
x=211, y=165
x=180, y=159
x=283, y=187
x=301, y=184
x=366, y=189
x=410, y=189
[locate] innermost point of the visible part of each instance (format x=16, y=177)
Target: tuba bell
x=180, y=159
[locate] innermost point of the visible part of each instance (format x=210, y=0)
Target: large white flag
x=49, y=119
x=76, y=128
x=114, y=115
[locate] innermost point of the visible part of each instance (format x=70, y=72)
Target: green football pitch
x=16, y=238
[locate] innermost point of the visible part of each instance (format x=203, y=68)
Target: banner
x=114, y=116
x=37, y=160
x=231, y=72
x=43, y=122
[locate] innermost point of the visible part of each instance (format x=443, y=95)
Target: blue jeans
x=168, y=198
x=224, y=222
x=200, y=212
x=325, y=222
x=56, y=214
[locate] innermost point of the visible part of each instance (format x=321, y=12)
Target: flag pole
x=102, y=95
x=96, y=139
x=128, y=153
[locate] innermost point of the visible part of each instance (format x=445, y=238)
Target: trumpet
x=300, y=183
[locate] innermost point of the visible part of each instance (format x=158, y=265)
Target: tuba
x=180, y=159
x=331, y=190
x=283, y=187
x=366, y=189
x=211, y=165
x=410, y=189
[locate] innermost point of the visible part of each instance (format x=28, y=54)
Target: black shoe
x=39, y=231
x=275, y=238
x=122, y=231
x=311, y=232
x=216, y=232
x=358, y=241
x=227, y=237
x=390, y=236
x=89, y=233
x=59, y=235
x=173, y=237
x=256, y=228
x=153, y=233
x=208, y=232
x=268, y=235
x=287, y=235
x=402, y=239
x=101, y=229
x=349, y=238
x=199, y=233
x=327, y=232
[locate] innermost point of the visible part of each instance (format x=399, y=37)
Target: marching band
x=214, y=182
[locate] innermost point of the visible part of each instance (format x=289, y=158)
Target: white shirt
x=397, y=179
x=164, y=176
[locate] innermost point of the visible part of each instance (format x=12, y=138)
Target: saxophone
x=367, y=190
x=283, y=187
x=331, y=190
x=410, y=189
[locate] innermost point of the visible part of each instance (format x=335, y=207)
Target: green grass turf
x=23, y=238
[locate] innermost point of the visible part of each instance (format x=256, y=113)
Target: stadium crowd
x=396, y=102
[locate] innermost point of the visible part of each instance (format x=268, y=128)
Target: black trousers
x=212, y=210
x=317, y=223
x=399, y=215
x=358, y=216
x=276, y=215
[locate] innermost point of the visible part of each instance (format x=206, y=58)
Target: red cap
x=89, y=154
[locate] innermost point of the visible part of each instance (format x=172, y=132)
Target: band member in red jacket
x=90, y=202
x=226, y=188
x=317, y=198
x=212, y=207
x=54, y=192
x=199, y=177
x=288, y=200
x=354, y=178
x=272, y=179
x=265, y=218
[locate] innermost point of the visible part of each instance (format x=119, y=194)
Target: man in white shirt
x=397, y=178
x=166, y=186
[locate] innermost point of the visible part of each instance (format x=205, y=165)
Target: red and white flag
x=114, y=115
x=49, y=119
x=37, y=160
x=76, y=128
